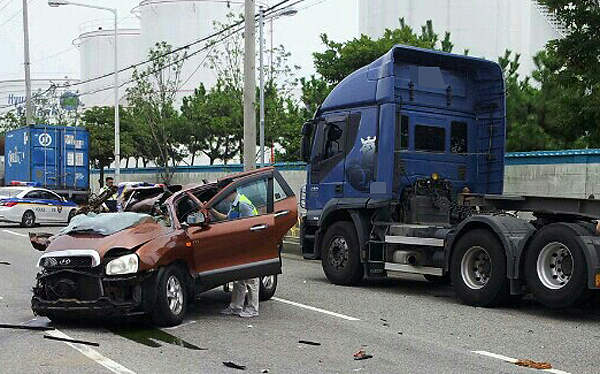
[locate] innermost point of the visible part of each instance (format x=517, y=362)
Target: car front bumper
x=89, y=293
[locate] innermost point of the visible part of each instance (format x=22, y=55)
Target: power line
x=14, y=15
x=6, y=5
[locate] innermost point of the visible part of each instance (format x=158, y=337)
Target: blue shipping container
x=56, y=157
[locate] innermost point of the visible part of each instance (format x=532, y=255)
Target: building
x=487, y=28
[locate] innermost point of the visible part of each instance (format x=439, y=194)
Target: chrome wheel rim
x=476, y=268
x=174, y=295
x=268, y=282
x=338, y=252
x=555, y=265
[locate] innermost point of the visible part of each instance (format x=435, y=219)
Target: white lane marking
x=178, y=326
x=92, y=354
x=314, y=309
x=514, y=360
x=15, y=233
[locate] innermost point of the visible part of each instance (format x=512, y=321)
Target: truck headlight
x=127, y=264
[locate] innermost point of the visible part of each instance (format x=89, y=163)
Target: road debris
x=71, y=340
x=533, y=364
x=265, y=371
x=308, y=342
x=4, y=263
x=361, y=354
x=25, y=327
x=232, y=365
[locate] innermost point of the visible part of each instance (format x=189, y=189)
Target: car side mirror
x=196, y=219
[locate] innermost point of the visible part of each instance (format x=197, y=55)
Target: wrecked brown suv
x=137, y=263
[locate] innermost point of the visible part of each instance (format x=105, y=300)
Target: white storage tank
x=180, y=22
x=486, y=27
x=96, y=47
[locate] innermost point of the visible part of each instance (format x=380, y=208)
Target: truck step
x=402, y=268
x=421, y=231
x=411, y=240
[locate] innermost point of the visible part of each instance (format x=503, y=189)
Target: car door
x=285, y=206
x=234, y=248
x=55, y=211
x=35, y=202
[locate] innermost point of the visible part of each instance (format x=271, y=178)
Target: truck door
x=327, y=162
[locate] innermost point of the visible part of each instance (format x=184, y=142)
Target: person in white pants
x=241, y=207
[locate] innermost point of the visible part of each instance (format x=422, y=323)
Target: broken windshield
x=105, y=223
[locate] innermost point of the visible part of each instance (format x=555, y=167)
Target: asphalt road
x=407, y=325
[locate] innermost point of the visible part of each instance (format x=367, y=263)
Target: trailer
x=53, y=157
x=405, y=168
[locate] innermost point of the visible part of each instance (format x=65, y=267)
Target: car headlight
x=127, y=264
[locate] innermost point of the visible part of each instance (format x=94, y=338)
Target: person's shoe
x=248, y=314
x=229, y=311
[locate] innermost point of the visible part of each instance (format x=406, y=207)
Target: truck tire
x=171, y=297
x=555, y=268
x=28, y=219
x=268, y=286
x=340, y=255
x=478, y=269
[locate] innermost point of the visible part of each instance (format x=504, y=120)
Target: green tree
x=152, y=101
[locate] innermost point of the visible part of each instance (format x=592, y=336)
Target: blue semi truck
x=53, y=157
x=405, y=175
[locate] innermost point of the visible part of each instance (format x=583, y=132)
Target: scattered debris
x=533, y=364
x=71, y=340
x=530, y=331
x=385, y=324
x=308, y=342
x=383, y=319
x=265, y=371
x=400, y=333
x=4, y=263
x=25, y=327
x=361, y=354
x=232, y=365
x=250, y=326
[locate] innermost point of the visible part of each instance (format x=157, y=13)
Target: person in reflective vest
x=241, y=206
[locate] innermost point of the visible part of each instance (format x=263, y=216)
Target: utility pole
x=249, y=86
x=262, y=89
x=28, y=108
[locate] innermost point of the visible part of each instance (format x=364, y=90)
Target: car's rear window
x=10, y=192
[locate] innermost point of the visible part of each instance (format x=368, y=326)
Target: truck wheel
x=268, y=286
x=555, y=268
x=28, y=219
x=478, y=269
x=171, y=298
x=340, y=255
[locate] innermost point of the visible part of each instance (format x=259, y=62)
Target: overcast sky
x=52, y=31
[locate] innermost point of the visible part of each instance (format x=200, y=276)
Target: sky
x=53, y=30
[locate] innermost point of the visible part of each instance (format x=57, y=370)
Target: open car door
x=233, y=247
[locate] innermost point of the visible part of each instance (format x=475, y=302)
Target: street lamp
x=284, y=12
x=57, y=3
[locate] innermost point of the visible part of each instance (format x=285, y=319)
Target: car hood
x=128, y=238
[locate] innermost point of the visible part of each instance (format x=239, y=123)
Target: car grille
x=67, y=262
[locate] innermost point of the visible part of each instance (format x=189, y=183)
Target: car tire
x=28, y=219
x=478, y=269
x=438, y=279
x=268, y=286
x=340, y=255
x=72, y=214
x=171, y=297
x=555, y=268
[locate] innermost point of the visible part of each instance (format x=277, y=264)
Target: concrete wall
x=574, y=173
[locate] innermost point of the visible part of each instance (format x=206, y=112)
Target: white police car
x=31, y=205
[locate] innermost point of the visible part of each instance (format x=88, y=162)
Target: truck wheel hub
x=554, y=265
x=476, y=267
x=338, y=252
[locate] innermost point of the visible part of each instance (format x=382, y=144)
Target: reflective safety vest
x=235, y=211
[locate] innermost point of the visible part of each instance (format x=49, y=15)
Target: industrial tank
x=96, y=50
x=487, y=28
x=180, y=22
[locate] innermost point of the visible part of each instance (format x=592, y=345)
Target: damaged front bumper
x=90, y=292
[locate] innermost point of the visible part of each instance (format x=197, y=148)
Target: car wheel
x=340, y=255
x=268, y=286
x=28, y=219
x=72, y=214
x=555, y=268
x=171, y=297
x=478, y=269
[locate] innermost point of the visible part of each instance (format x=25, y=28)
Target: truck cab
x=404, y=159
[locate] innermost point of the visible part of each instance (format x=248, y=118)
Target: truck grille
x=67, y=262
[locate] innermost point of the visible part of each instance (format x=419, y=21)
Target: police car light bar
x=27, y=184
